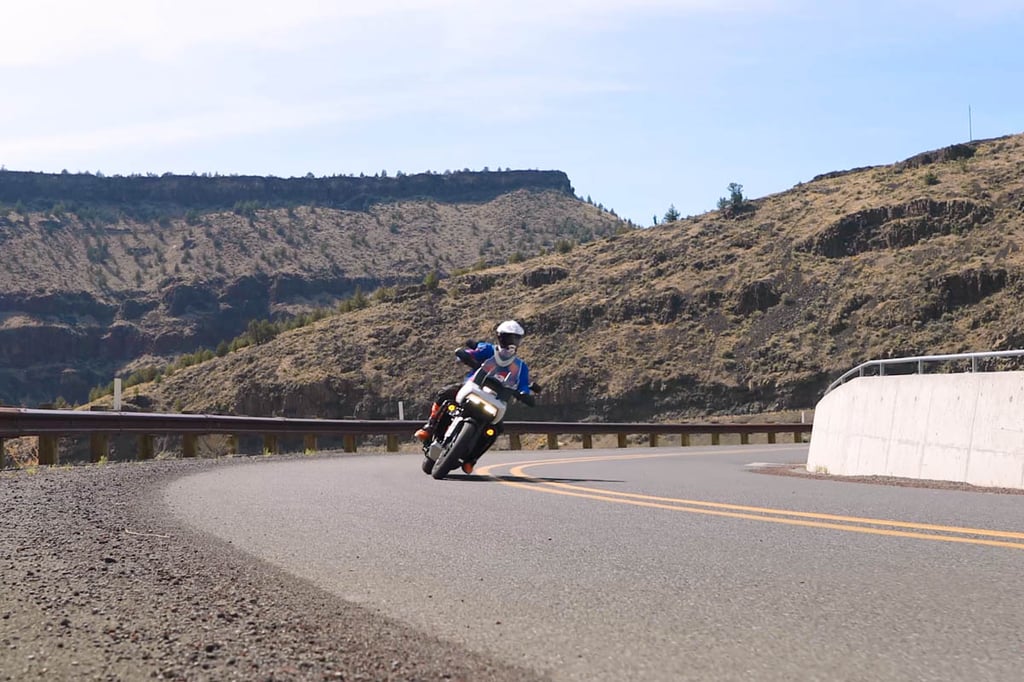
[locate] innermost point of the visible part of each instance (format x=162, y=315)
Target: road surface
x=658, y=564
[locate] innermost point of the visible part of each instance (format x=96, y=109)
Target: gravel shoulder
x=798, y=470
x=99, y=581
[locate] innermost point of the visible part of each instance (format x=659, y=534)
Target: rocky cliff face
x=202, y=193
x=102, y=275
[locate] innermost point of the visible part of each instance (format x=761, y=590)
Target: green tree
x=671, y=215
x=735, y=201
x=261, y=331
x=736, y=198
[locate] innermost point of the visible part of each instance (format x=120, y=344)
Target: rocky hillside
x=751, y=308
x=100, y=275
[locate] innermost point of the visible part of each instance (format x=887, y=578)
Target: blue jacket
x=515, y=375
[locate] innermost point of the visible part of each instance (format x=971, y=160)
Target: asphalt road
x=655, y=564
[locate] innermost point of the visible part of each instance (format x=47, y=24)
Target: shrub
x=736, y=198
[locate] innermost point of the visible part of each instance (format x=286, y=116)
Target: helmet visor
x=509, y=340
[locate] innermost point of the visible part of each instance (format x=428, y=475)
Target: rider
x=500, y=358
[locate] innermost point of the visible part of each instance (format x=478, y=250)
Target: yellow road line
x=829, y=521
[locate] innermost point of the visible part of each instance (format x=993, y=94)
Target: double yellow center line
x=853, y=524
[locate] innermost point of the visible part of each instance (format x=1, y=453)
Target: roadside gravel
x=798, y=470
x=99, y=582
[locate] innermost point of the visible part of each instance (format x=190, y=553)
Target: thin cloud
x=498, y=99
x=236, y=119
x=53, y=31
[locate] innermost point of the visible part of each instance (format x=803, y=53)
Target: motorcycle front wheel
x=460, y=447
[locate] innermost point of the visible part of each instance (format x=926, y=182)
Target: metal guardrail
x=920, y=360
x=49, y=425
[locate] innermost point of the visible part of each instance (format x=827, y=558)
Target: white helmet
x=510, y=335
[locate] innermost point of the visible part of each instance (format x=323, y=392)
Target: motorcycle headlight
x=488, y=409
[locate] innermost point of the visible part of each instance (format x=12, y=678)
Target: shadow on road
x=531, y=479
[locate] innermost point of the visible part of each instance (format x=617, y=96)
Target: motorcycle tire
x=460, y=447
x=428, y=465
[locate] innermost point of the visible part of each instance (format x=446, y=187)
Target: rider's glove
x=464, y=355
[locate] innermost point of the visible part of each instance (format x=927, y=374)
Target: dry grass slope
x=726, y=313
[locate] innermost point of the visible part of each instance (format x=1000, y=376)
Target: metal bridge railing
x=50, y=425
x=920, y=360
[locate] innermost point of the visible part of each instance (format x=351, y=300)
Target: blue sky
x=643, y=103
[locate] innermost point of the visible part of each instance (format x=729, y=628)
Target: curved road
x=663, y=563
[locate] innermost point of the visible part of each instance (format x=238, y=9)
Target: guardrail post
x=716, y=439
x=622, y=440
x=2, y=460
x=47, y=450
x=684, y=439
x=798, y=437
x=188, y=445
x=588, y=441
x=771, y=437
x=552, y=441
x=350, y=443
x=145, y=446
x=744, y=438
x=392, y=443
x=270, y=446
x=99, y=447
x=514, y=442
x=653, y=440
x=309, y=443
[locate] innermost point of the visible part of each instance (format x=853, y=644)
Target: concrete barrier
x=946, y=427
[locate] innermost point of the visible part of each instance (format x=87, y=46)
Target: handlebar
x=526, y=398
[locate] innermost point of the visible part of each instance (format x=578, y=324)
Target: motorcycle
x=474, y=420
